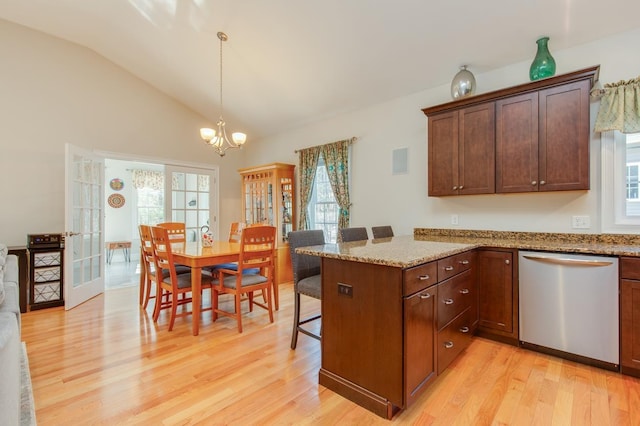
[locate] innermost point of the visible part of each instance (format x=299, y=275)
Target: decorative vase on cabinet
x=268, y=197
x=543, y=64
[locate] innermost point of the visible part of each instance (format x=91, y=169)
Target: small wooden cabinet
x=630, y=316
x=461, y=151
x=268, y=197
x=498, y=294
x=531, y=137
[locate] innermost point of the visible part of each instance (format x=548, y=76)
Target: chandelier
x=217, y=139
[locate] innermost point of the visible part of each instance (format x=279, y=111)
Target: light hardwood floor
x=106, y=362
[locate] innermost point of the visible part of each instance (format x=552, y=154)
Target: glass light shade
x=207, y=134
x=239, y=138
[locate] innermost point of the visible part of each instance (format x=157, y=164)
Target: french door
x=191, y=197
x=84, y=226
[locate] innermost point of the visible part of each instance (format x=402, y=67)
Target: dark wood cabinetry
x=388, y=330
x=531, y=137
x=461, y=151
x=630, y=316
x=498, y=294
x=542, y=140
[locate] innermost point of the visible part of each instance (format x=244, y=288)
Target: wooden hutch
x=268, y=197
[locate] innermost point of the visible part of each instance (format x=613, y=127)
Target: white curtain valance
x=619, y=107
x=147, y=179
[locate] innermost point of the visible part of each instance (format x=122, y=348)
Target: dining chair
x=177, y=231
x=382, y=231
x=147, y=266
x=175, y=284
x=257, y=250
x=307, y=279
x=353, y=234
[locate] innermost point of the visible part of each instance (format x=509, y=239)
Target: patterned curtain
x=307, y=171
x=619, y=107
x=336, y=158
x=147, y=179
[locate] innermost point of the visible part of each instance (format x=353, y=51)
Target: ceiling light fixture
x=218, y=140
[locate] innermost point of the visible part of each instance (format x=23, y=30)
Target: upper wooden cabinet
x=461, y=150
x=531, y=137
x=268, y=198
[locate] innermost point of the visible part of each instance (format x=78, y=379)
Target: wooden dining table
x=196, y=256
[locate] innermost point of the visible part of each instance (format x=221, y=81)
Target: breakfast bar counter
x=397, y=311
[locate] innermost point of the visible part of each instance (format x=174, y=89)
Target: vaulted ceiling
x=288, y=62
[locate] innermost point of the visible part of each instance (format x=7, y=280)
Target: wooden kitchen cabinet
x=531, y=137
x=461, y=151
x=419, y=318
x=630, y=316
x=387, y=331
x=498, y=294
x=268, y=197
x=542, y=140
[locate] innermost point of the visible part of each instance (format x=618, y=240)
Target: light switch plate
x=581, y=222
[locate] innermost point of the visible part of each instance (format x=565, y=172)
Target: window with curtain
x=618, y=120
x=322, y=168
x=323, y=209
x=149, y=185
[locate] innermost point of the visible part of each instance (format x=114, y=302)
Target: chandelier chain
x=222, y=38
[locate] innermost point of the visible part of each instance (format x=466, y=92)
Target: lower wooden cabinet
x=630, y=316
x=498, y=294
x=419, y=318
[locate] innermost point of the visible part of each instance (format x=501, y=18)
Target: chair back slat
x=235, y=233
x=162, y=254
x=257, y=248
x=177, y=231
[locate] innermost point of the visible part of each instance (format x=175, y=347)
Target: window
x=620, y=182
x=150, y=206
x=323, y=208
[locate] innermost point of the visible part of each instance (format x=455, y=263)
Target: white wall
x=402, y=201
x=53, y=92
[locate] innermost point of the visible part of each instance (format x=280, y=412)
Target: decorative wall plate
x=116, y=200
x=116, y=184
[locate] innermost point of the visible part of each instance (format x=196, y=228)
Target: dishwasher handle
x=567, y=261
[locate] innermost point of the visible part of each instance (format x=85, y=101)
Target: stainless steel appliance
x=569, y=306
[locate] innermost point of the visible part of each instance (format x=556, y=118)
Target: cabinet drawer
x=454, y=296
x=453, y=265
x=453, y=339
x=630, y=268
x=419, y=278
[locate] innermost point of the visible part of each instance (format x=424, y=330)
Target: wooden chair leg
x=276, y=295
x=238, y=296
x=174, y=308
x=270, y=304
x=159, y=298
x=143, y=279
x=214, y=303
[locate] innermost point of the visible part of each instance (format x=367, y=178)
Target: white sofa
x=10, y=346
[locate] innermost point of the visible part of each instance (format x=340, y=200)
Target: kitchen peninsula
x=397, y=311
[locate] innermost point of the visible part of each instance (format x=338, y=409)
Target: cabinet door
x=476, y=150
x=564, y=137
x=517, y=143
x=495, y=281
x=443, y=154
x=419, y=314
x=630, y=325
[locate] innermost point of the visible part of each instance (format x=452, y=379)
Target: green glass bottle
x=543, y=64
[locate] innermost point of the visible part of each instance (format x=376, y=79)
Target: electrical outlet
x=581, y=222
x=454, y=219
x=345, y=290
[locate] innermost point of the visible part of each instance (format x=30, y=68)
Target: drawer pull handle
x=424, y=277
x=464, y=291
x=455, y=188
x=464, y=262
x=448, y=268
x=464, y=329
x=448, y=345
x=425, y=296
x=448, y=301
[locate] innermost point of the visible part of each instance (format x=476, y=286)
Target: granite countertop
x=428, y=244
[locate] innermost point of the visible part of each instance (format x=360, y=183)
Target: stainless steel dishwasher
x=569, y=306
